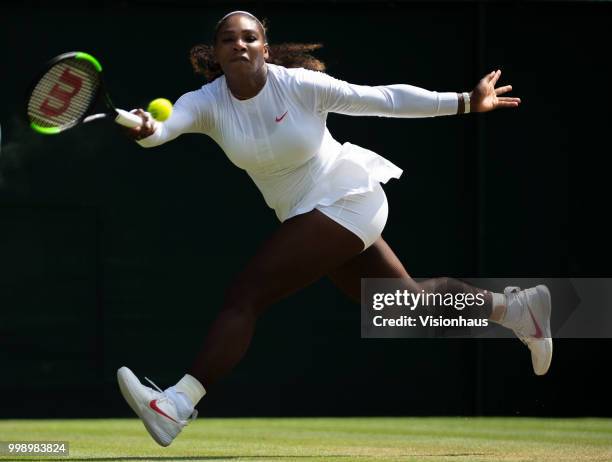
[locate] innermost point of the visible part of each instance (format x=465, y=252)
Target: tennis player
x=267, y=108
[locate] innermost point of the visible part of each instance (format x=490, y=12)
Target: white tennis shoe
x=156, y=410
x=532, y=325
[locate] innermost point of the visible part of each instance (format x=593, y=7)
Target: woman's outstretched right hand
x=146, y=129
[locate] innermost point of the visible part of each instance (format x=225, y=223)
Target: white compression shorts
x=363, y=214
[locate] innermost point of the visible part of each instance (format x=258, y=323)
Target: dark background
x=113, y=255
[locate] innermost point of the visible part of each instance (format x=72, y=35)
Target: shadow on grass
x=352, y=456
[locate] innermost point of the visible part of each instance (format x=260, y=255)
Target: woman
x=270, y=120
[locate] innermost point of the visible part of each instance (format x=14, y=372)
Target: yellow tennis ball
x=160, y=109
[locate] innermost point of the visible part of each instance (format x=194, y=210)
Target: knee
x=243, y=300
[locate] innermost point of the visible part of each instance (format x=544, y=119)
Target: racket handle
x=127, y=119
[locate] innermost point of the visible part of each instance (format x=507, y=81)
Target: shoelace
x=153, y=383
x=195, y=411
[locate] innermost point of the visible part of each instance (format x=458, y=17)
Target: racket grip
x=127, y=119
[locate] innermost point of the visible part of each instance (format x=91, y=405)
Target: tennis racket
x=65, y=95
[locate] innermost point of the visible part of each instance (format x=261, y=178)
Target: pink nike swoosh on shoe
x=153, y=405
x=538, y=332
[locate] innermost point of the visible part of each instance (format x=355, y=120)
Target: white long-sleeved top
x=281, y=139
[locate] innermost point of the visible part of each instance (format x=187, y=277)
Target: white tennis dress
x=281, y=139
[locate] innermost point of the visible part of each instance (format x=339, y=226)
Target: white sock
x=186, y=394
x=499, y=307
x=499, y=300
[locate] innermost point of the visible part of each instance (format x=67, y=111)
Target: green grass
x=328, y=439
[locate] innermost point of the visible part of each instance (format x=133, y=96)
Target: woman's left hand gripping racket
x=66, y=92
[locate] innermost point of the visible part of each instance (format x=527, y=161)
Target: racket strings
x=64, y=94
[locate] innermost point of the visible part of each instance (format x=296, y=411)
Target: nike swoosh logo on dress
x=278, y=119
x=153, y=405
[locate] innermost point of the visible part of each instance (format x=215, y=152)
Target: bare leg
x=302, y=250
x=379, y=261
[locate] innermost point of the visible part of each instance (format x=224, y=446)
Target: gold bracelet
x=461, y=103
x=466, y=103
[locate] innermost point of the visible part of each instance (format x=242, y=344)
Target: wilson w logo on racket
x=67, y=91
x=68, y=85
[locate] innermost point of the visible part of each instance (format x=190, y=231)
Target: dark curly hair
x=285, y=54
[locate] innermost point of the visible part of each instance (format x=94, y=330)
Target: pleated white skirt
x=364, y=214
x=344, y=183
